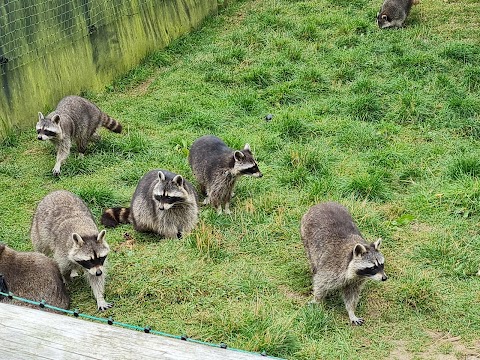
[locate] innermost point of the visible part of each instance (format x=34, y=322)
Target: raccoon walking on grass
x=63, y=226
x=74, y=120
x=163, y=203
x=33, y=276
x=339, y=256
x=393, y=13
x=217, y=167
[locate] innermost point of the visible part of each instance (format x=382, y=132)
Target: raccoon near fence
x=74, y=120
x=31, y=275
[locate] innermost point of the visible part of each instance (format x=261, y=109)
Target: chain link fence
x=31, y=29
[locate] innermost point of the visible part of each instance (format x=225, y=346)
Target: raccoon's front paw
x=104, y=306
x=357, y=321
x=56, y=172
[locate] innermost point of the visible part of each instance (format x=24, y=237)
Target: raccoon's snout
x=39, y=137
x=384, y=277
x=99, y=272
x=161, y=207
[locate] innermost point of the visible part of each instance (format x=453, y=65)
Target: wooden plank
x=27, y=333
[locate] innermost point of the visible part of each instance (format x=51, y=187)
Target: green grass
x=385, y=122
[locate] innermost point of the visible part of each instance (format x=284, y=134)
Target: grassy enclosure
x=385, y=122
x=56, y=47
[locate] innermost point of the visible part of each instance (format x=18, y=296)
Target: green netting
x=42, y=304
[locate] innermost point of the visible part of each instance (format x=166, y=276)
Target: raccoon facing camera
x=64, y=227
x=163, y=203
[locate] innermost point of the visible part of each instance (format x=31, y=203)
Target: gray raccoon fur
x=163, y=203
x=393, y=13
x=339, y=256
x=217, y=167
x=33, y=276
x=74, y=120
x=63, y=226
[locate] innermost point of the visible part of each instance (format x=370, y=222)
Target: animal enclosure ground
x=385, y=122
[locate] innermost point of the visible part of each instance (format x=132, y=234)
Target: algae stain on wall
x=52, y=49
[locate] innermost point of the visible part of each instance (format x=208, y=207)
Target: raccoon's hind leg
x=82, y=146
x=227, y=208
x=320, y=288
x=351, y=295
x=97, y=283
x=95, y=137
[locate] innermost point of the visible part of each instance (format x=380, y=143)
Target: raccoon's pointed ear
x=40, y=116
x=359, y=250
x=247, y=147
x=2, y=247
x=238, y=155
x=376, y=244
x=178, y=180
x=56, y=118
x=77, y=240
x=101, y=236
x=161, y=176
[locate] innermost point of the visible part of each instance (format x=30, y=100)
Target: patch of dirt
x=129, y=243
x=142, y=88
x=295, y=296
x=443, y=347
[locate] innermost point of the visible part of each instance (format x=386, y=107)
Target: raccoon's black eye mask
x=251, y=170
x=88, y=264
x=371, y=271
x=168, y=199
x=46, y=132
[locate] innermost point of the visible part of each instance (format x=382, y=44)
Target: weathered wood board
x=27, y=333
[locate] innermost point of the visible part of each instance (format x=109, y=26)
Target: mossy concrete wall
x=54, y=48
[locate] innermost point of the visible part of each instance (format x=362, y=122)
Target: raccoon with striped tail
x=217, y=167
x=340, y=259
x=64, y=227
x=163, y=203
x=33, y=276
x=74, y=120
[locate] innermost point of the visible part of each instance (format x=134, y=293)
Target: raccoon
x=393, y=13
x=33, y=276
x=63, y=226
x=163, y=203
x=339, y=256
x=217, y=167
x=74, y=119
